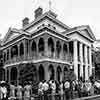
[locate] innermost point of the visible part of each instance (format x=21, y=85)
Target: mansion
x=46, y=49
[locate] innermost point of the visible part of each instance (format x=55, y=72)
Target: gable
x=86, y=34
x=11, y=34
x=84, y=31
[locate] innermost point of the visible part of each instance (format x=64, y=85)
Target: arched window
x=14, y=51
x=65, y=73
x=2, y=74
x=33, y=48
x=14, y=73
x=58, y=48
x=51, y=72
x=41, y=73
x=59, y=71
x=41, y=45
x=50, y=47
x=65, y=50
x=21, y=49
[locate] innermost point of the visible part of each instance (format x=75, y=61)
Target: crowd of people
x=51, y=89
x=68, y=89
x=15, y=92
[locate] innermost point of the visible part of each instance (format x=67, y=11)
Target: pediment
x=84, y=31
x=11, y=34
x=88, y=34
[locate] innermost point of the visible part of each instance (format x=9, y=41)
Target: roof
x=80, y=29
x=48, y=15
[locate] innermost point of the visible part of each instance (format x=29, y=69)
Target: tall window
x=58, y=48
x=59, y=71
x=51, y=72
x=14, y=75
x=41, y=46
x=41, y=73
x=65, y=50
x=33, y=48
x=50, y=47
x=21, y=49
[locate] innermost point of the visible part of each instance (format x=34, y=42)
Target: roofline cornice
x=52, y=30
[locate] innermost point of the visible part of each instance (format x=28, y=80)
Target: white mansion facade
x=46, y=49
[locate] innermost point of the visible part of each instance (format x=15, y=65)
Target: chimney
x=25, y=21
x=38, y=12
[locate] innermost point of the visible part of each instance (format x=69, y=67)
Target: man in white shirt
x=67, y=89
x=40, y=88
x=53, y=87
x=45, y=89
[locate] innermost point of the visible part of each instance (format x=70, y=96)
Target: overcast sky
x=71, y=12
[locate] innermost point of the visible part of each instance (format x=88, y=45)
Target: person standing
x=53, y=87
x=45, y=89
x=67, y=89
x=61, y=85
x=27, y=91
x=19, y=92
x=40, y=89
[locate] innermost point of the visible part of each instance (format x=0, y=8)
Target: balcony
x=39, y=56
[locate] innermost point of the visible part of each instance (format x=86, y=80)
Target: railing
x=37, y=57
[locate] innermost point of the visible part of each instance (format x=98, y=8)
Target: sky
x=71, y=12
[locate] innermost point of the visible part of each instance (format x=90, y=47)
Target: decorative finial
x=50, y=4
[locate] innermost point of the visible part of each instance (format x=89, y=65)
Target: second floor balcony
x=39, y=56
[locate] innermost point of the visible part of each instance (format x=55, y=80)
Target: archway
x=41, y=46
x=58, y=48
x=21, y=49
x=66, y=73
x=34, y=49
x=14, y=51
x=65, y=50
x=41, y=73
x=2, y=74
x=59, y=71
x=50, y=47
x=51, y=72
x=13, y=75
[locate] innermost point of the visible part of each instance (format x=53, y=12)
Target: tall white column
x=90, y=61
x=75, y=60
x=86, y=64
x=81, y=59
